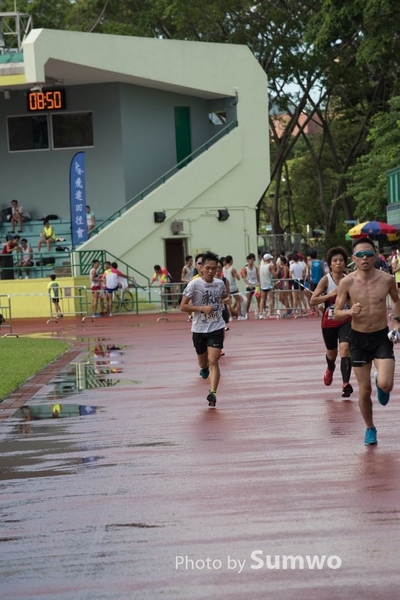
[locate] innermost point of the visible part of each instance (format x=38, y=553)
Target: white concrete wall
x=232, y=174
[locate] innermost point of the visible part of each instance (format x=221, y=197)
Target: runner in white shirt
x=298, y=273
x=233, y=277
x=250, y=276
x=267, y=272
x=207, y=296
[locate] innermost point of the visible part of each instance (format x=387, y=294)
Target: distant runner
x=206, y=295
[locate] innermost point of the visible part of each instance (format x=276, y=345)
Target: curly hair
x=333, y=252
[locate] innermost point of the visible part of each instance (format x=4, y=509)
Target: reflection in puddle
x=53, y=411
x=105, y=358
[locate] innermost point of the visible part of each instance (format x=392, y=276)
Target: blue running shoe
x=204, y=373
x=370, y=437
x=383, y=397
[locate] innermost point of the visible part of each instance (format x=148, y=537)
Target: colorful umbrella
x=376, y=230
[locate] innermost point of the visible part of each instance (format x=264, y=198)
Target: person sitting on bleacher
x=26, y=258
x=47, y=236
x=18, y=216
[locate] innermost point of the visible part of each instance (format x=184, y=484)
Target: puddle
x=38, y=412
x=110, y=527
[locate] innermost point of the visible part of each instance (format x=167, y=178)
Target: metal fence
x=289, y=242
x=6, y=316
x=72, y=301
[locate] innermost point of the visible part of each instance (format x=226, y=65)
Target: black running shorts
x=213, y=339
x=333, y=335
x=364, y=347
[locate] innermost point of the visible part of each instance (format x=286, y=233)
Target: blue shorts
x=111, y=290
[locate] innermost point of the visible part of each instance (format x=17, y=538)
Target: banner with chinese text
x=77, y=191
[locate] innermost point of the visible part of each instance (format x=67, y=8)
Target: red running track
x=157, y=496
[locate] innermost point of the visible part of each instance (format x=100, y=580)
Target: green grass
x=20, y=358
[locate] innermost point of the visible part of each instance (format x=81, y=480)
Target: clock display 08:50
x=50, y=100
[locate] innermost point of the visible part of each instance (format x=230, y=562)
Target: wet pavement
x=117, y=481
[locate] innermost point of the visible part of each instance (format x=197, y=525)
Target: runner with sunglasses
x=366, y=290
x=334, y=332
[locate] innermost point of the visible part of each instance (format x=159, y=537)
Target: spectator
x=250, y=276
x=232, y=276
x=53, y=290
x=164, y=278
x=188, y=269
x=110, y=278
x=26, y=258
x=7, y=263
x=11, y=245
x=18, y=215
x=90, y=219
x=285, y=294
x=380, y=261
x=47, y=235
x=123, y=279
x=297, y=273
x=268, y=271
x=315, y=270
x=95, y=286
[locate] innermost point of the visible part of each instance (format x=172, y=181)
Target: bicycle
x=123, y=299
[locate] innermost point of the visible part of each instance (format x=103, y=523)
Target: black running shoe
x=212, y=398
x=347, y=390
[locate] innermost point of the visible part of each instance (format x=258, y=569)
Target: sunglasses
x=364, y=254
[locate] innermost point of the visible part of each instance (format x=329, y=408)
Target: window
x=218, y=117
x=27, y=133
x=72, y=130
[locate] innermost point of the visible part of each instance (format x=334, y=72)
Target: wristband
x=397, y=319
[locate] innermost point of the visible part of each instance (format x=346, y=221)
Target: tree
x=361, y=40
x=367, y=178
x=333, y=60
x=52, y=14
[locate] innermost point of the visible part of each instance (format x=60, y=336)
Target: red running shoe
x=328, y=376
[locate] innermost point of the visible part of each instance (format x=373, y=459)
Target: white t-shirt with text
x=206, y=294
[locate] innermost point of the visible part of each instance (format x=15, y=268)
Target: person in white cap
x=268, y=271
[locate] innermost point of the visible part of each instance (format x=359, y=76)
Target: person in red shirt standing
x=11, y=245
x=164, y=278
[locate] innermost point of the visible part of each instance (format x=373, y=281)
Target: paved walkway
x=152, y=495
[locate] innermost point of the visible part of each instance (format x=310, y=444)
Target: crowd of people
x=353, y=305
x=274, y=282
x=104, y=285
x=19, y=249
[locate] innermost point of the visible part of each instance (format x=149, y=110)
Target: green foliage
x=52, y=14
x=367, y=178
x=23, y=357
x=342, y=59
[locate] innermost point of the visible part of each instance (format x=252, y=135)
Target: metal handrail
x=85, y=260
x=147, y=190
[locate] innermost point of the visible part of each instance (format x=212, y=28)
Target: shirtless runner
x=365, y=290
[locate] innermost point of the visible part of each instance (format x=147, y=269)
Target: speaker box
x=159, y=217
x=223, y=215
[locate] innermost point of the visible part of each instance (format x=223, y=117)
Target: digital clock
x=46, y=100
